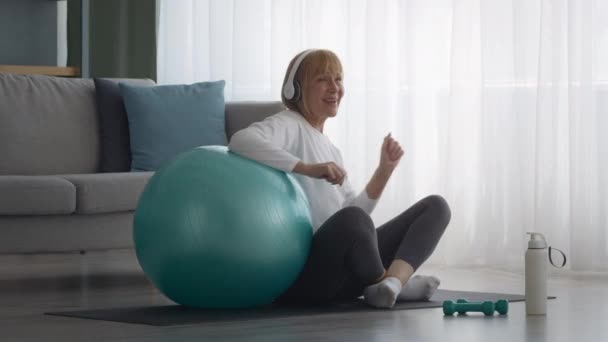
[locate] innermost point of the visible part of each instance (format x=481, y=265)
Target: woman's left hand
x=390, y=155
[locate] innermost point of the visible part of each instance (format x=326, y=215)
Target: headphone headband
x=289, y=90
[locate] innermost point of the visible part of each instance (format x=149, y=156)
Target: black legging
x=348, y=254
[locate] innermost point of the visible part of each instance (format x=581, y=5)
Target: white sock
x=419, y=288
x=383, y=294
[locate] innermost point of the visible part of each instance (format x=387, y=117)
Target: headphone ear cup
x=297, y=94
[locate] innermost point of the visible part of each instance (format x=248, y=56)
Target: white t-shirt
x=281, y=141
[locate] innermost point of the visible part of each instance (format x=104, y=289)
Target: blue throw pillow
x=169, y=119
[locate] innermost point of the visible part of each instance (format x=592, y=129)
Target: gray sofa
x=53, y=198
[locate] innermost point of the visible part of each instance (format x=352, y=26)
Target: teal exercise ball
x=216, y=230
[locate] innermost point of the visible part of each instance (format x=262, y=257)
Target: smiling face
x=320, y=79
x=323, y=95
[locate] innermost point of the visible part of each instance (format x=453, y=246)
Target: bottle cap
x=537, y=240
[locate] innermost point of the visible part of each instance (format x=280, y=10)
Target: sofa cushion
x=48, y=125
x=167, y=120
x=108, y=192
x=36, y=195
x=113, y=124
x=239, y=115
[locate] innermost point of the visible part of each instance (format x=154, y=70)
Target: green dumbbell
x=501, y=305
x=487, y=307
x=449, y=307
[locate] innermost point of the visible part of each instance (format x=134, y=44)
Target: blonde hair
x=315, y=63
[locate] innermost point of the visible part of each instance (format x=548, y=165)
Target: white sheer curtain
x=500, y=105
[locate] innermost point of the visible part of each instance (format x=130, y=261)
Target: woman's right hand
x=329, y=171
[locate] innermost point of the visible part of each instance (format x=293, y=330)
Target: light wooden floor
x=33, y=284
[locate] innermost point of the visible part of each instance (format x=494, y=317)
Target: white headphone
x=291, y=89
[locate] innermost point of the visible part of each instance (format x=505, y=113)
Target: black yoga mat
x=178, y=315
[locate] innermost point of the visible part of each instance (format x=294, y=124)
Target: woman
x=349, y=257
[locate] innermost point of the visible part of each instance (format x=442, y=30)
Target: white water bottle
x=536, y=275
